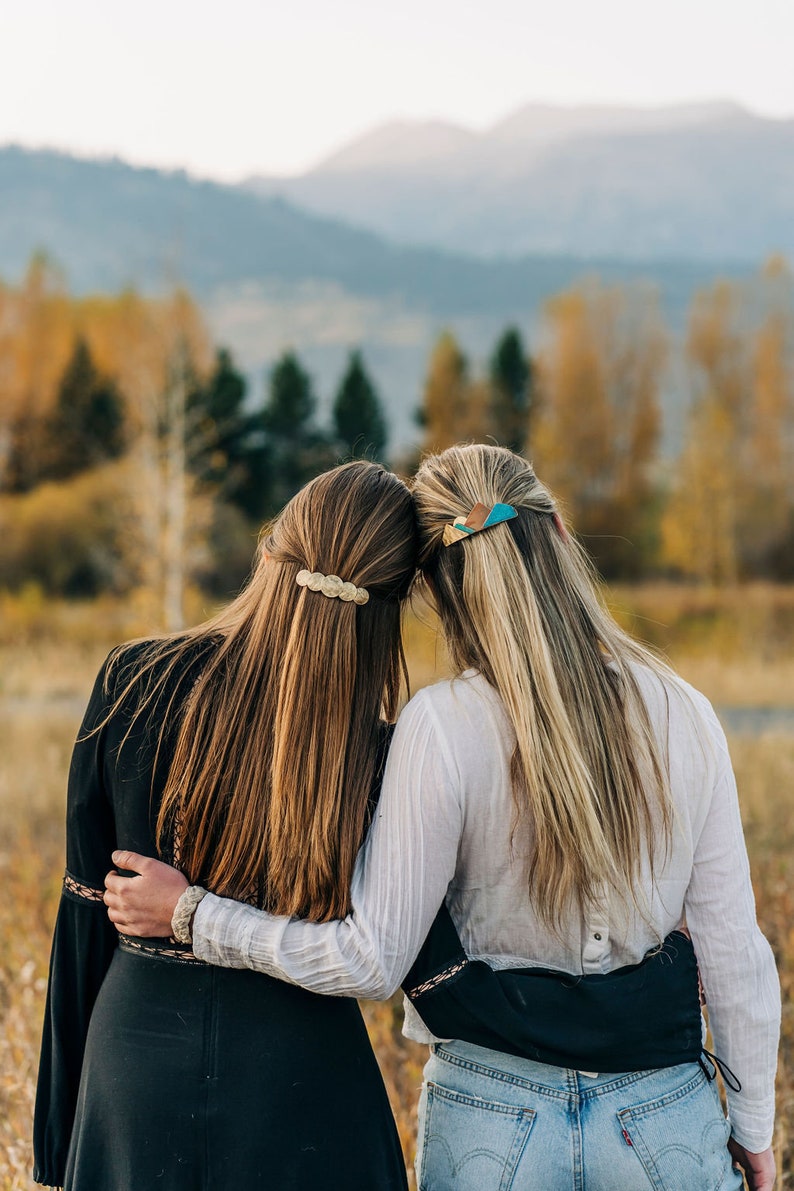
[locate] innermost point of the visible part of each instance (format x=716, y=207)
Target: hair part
x=275, y=759
x=519, y=603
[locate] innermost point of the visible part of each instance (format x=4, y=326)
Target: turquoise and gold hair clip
x=478, y=519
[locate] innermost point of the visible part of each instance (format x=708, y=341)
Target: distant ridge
x=548, y=122
x=109, y=224
x=271, y=275
x=399, y=144
x=703, y=181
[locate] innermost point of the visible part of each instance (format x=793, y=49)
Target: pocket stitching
x=524, y=1119
x=637, y=1114
x=649, y=1106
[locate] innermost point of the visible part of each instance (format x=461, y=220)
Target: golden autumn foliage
x=135, y=523
x=132, y=338
x=731, y=509
x=78, y=536
x=586, y=408
x=458, y=407
x=597, y=420
x=444, y=414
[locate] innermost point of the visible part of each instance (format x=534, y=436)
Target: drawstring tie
x=731, y=1081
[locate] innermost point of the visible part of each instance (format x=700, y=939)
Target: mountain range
x=110, y=224
x=297, y=263
x=708, y=181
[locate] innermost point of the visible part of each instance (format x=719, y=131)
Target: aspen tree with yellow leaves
x=769, y=523
x=36, y=342
x=700, y=528
x=596, y=424
x=443, y=414
x=7, y=410
x=167, y=352
x=154, y=350
x=731, y=509
x=458, y=407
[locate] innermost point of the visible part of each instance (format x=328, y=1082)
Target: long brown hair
x=276, y=751
x=520, y=604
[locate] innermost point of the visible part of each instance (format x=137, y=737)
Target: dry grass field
x=737, y=646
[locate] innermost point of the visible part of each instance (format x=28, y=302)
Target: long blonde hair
x=519, y=603
x=276, y=750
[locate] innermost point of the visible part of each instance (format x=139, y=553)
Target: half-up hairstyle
x=276, y=752
x=519, y=603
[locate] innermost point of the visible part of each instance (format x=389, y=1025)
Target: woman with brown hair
x=571, y=802
x=249, y=751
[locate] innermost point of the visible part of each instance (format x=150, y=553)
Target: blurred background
x=239, y=245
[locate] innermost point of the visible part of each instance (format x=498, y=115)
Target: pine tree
x=296, y=450
x=511, y=381
x=86, y=426
x=358, y=419
x=225, y=391
x=228, y=443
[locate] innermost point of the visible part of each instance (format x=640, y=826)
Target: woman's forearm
x=331, y=957
x=400, y=880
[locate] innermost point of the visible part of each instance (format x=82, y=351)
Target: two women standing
x=570, y=801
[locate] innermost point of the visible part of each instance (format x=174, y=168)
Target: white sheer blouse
x=444, y=829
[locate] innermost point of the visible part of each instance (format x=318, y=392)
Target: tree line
x=586, y=409
x=130, y=453
x=133, y=457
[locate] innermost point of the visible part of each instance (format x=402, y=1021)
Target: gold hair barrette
x=332, y=586
x=481, y=517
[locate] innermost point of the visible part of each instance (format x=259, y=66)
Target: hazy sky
x=236, y=87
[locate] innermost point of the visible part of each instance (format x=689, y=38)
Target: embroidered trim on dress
x=439, y=978
x=159, y=949
x=77, y=888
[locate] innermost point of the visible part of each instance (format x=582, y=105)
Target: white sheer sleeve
x=400, y=880
x=736, y=963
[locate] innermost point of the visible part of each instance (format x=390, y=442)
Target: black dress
x=159, y=1071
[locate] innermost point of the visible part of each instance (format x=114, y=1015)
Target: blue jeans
x=491, y=1122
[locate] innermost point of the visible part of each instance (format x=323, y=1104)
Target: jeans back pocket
x=468, y=1144
x=681, y=1139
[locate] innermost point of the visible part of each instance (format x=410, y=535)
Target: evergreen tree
x=228, y=443
x=225, y=391
x=86, y=425
x=511, y=382
x=291, y=402
x=358, y=419
x=295, y=449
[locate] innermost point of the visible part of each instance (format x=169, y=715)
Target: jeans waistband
x=544, y=1078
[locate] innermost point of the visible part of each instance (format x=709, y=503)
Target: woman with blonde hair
x=249, y=751
x=570, y=801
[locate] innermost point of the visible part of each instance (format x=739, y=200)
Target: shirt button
x=597, y=936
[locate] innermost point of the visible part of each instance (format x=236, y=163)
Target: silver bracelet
x=185, y=908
